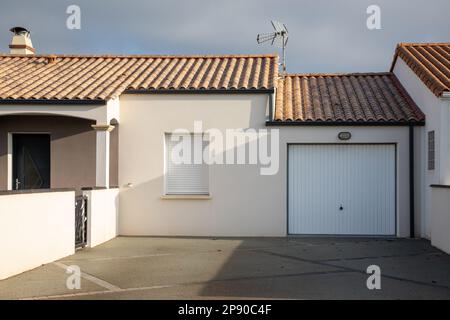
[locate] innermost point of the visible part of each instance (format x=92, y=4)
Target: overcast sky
x=324, y=35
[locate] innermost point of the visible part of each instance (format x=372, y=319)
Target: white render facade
x=241, y=201
x=437, y=112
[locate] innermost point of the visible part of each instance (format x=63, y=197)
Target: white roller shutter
x=185, y=178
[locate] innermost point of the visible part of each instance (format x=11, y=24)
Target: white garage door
x=341, y=189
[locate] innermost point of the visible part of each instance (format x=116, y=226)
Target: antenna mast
x=279, y=37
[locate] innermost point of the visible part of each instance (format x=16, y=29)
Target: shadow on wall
x=144, y=212
x=235, y=204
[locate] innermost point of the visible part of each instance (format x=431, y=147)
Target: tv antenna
x=279, y=38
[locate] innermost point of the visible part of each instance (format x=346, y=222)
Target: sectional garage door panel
x=341, y=189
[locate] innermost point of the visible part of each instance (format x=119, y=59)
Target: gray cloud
x=325, y=36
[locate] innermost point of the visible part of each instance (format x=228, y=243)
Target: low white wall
x=35, y=228
x=440, y=218
x=102, y=205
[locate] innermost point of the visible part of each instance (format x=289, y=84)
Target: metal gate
x=80, y=221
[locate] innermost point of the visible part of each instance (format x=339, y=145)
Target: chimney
x=21, y=41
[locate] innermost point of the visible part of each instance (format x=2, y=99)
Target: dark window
x=431, y=150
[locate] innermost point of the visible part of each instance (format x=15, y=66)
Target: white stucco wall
x=437, y=112
x=445, y=141
x=440, y=219
x=35, y=229
x=103, y=206
x=243, y=202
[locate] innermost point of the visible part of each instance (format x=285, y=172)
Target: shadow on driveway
x=235, y=268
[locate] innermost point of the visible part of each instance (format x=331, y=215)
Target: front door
x=31, y=161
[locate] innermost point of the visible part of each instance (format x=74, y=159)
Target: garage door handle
x=341, y=208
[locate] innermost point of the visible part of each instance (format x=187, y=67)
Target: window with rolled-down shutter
x=185, y=178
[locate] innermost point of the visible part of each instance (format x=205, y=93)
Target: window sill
x=186, y=197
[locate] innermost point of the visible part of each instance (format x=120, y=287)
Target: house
x=424, y=71
x=280, y=154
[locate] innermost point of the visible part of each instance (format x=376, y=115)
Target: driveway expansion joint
x=319, y=262
x=91, y=278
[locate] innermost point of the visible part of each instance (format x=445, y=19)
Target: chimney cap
x=20, y=31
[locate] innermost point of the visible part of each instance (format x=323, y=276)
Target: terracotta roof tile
x=429, y=61
x=104, y=77
x=369, y=97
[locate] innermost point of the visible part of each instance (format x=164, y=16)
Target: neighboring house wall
x=437, y=112
x=243, y=202
x=72, y=148
x=445, y=141
x=440, y=204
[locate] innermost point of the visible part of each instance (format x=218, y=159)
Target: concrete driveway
x=207, y=268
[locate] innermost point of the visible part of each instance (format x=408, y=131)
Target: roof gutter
x=272, y=106
x=53, y=101
x=394, y=58
x=342, y=123
x=198, y=91
x=446, y=94
x=411, y=182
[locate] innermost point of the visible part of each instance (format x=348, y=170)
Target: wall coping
x=30, y=191
x=98, y=188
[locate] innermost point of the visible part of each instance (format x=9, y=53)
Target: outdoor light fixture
x=344, y=135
